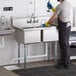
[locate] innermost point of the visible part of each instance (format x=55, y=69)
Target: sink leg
x=24, y=56
x=55, y=52
x=48, y=50
x=18, y=53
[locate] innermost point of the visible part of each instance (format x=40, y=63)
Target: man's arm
x=52, y=18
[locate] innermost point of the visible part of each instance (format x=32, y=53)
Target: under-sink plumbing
x=33, y=19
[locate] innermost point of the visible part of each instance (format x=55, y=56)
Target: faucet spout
x=32, y=19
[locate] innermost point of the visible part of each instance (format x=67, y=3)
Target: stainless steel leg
x=45, y=50
x=24, y=56
x=18, y=52
x=48, y=50
x=55, y=52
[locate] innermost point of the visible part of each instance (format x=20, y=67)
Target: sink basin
x=23, y=23
x=39, y=26
x=6, y=31
x=32, y=27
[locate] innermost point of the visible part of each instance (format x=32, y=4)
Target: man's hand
x=53, y=9
x=46, y=24
x=49, y=5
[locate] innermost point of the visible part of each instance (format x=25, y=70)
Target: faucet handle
x=35, y=21
x=29, y=21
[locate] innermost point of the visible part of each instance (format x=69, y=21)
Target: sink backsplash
x=28, y=22
x=25, y=22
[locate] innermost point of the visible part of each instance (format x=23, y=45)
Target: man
x=64, y=27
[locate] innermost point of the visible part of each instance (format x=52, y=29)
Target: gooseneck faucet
x=32, y=19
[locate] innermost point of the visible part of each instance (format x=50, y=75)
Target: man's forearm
x=52, y=18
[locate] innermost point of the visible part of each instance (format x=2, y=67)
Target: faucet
x=32, y=19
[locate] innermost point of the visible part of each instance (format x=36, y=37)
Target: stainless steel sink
x=6, y=31
x=32, y=27
x=38, y=26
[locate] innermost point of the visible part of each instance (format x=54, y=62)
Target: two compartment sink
x=39, y=26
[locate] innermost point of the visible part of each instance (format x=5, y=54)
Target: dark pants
x=64, y=33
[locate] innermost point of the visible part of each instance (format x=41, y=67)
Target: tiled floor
x=37, y=64
x=4, y=72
